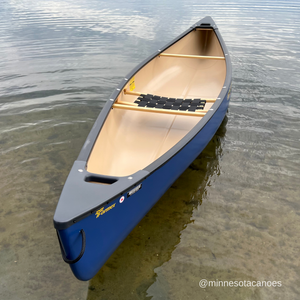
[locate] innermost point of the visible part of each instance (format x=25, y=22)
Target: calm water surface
x=235, y=212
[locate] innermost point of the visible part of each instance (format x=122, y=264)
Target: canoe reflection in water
x=151, y=243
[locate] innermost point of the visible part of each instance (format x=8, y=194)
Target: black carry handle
x=70, y=261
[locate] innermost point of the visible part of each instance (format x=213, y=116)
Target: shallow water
x=233, y=215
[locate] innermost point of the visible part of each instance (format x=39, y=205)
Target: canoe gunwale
x=204, y=121
x=123, y=185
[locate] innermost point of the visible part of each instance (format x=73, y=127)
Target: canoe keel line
x=156, y=122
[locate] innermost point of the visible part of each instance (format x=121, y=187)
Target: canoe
x=156, y=122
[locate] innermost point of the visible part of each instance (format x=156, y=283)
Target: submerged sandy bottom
x=216, y=223
x=232, y=215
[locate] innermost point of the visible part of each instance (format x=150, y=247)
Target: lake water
x=233, y=215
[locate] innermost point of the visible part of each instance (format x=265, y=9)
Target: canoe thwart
x=126, y=103
x=161, y=111
x=192, y=56
x=127, y=92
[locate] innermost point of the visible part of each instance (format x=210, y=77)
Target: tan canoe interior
x=133, y=137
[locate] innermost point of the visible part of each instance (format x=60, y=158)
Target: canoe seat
x=154, y=101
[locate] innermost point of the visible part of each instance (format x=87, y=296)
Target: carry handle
x=72, y=261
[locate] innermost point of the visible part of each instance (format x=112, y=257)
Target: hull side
x=105, y=233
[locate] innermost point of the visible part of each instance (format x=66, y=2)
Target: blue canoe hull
x=106, y=232
x=93, y=219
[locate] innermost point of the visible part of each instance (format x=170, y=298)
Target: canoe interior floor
x=131, y=140
x=183, y=77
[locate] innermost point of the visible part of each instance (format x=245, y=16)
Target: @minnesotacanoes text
x=203, y=283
